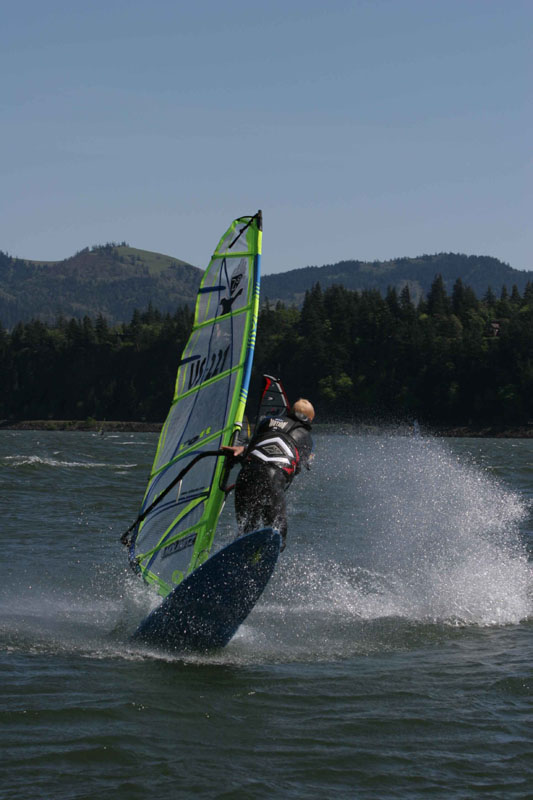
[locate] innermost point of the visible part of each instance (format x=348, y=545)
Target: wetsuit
x=276, y=453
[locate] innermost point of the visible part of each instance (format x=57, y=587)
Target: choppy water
x=390, y=656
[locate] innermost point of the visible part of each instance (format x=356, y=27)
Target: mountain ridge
x=115, y=279
x=418, y=273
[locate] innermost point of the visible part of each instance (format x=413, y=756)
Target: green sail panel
x=177, y=533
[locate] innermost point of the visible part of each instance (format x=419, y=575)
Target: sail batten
x=176, y=534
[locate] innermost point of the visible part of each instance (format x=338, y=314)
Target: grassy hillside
x=112, y=280
x=156, y=263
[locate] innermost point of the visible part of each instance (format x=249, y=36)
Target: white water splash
x=429, y=537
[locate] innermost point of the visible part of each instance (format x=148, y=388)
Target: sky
x=363, y=129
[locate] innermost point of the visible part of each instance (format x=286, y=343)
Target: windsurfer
x=279, y=449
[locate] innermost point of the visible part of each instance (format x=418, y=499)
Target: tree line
x=447, y=360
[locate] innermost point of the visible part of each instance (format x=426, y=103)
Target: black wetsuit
x=276, y=453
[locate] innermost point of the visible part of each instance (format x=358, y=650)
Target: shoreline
x=96, y=426
x=107, y=426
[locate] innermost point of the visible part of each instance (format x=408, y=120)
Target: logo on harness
x=272, y=450
x=276, y=423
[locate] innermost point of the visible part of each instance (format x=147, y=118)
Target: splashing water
x=403, y=535
x=425, y=535
x=387, y=535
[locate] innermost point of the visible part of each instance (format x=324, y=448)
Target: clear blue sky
x=364, y=129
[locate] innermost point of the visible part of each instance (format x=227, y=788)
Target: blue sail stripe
x=206, y=289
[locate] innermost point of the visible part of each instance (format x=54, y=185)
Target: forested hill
x=477, y=272
x=448, y=361
x=112, y=280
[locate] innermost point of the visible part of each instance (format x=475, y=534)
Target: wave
x=28, y=460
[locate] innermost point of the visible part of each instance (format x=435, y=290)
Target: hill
x=478, y=272
x=112, y=280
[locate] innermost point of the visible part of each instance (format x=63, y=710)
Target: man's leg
x=276, y=512
x=249, y=500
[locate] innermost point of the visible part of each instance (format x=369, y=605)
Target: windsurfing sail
x=175, y=535
x=273, y=402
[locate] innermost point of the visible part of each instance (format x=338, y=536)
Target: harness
x=275, y=445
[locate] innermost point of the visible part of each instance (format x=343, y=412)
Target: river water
x=389, y=657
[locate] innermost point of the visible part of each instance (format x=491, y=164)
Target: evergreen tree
x=437, y=300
